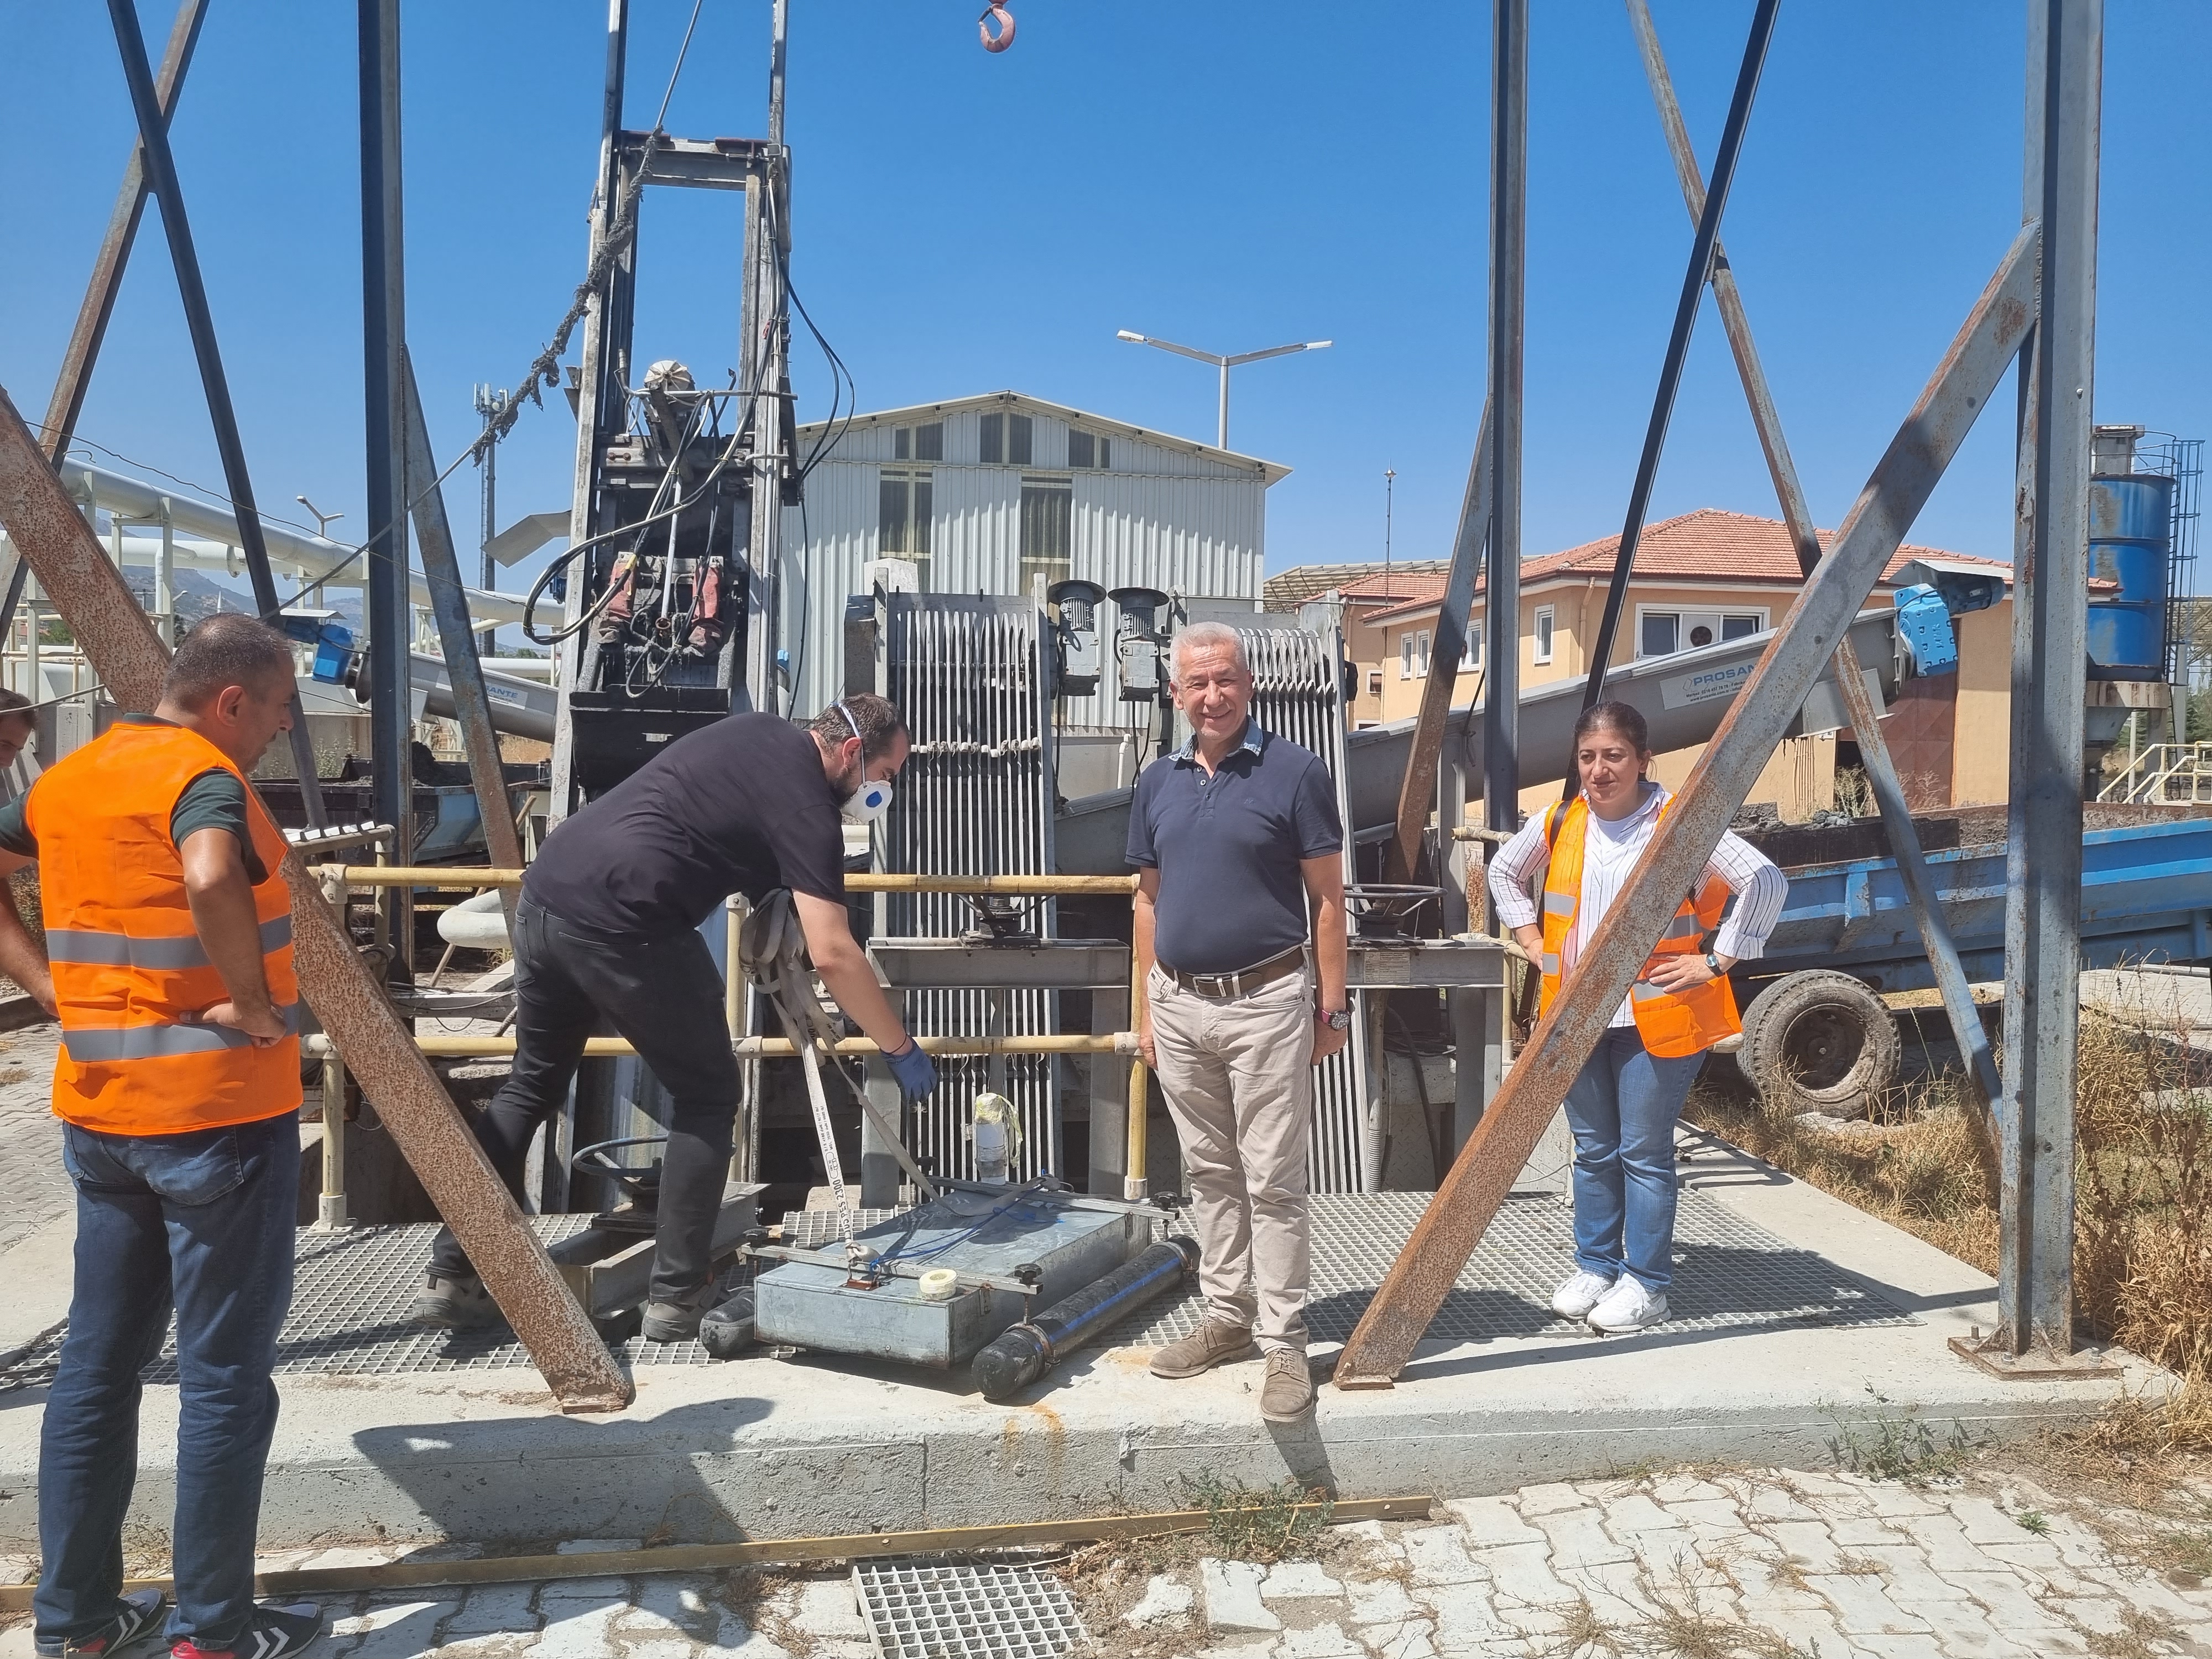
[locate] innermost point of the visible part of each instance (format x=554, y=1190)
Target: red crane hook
x=1005, y=37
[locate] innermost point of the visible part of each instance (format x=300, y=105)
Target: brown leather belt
x=1244, y=980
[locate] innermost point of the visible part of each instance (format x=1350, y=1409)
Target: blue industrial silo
x=2130, y=545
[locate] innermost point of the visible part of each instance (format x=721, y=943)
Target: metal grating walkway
x=349, y=1307
x=926, y=1610
x=1728, y=1272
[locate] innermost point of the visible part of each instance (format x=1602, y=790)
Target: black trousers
x=665, y=996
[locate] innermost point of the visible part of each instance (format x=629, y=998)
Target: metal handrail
x=2151, y=775
x=457, y=877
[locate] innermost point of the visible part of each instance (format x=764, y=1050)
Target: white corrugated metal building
x=983, y=494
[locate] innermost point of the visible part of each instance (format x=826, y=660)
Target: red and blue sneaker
x=135, y=1620
x=274, y=1633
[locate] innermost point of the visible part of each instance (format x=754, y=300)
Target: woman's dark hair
x=1619, y=717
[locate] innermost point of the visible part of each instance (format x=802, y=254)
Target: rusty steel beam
x=1494, y=1154
x=82, y=351
x=106, y=280
x=449, y=603
x=1417, y=793
x=119, y=641
x=1874, y=749
x=1702, y=246
x=1509, y=284
x=160, y=174
x=2043, y=887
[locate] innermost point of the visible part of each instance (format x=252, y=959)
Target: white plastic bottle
x=994, y=1129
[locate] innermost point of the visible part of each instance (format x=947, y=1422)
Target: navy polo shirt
x=1227, y=847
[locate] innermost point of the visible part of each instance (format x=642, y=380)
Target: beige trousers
x=1237, y=1075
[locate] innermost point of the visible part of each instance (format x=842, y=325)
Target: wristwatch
x=1712, y=964
x=1337, y=1019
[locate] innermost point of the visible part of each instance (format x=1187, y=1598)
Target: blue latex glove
x=916, y=1071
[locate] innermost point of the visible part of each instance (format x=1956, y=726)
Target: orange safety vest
x=130, y=975
x=1672, y=1024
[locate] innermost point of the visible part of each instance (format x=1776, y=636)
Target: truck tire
x=1818, y=1042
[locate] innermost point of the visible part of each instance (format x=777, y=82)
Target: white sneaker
x=1628, y=1306
x=1575, y=1298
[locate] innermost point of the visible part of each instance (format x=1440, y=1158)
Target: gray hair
x=1206, y=636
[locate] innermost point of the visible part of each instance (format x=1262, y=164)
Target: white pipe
x=314, y=554
x=476, y=924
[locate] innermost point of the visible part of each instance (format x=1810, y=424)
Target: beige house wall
x=1799, y=779
x=1981, y=744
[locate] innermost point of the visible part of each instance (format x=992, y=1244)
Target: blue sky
x=1232, y=175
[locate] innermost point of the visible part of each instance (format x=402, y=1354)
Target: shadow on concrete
x=674, y=1476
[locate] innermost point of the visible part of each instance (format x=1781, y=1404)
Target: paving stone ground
x=1742, y=1566
x=33, y=1187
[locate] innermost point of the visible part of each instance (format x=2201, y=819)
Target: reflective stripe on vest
x=1671, y=1023
x=83, y=947
x=106, y=1046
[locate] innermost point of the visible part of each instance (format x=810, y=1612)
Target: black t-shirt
x=740, y=806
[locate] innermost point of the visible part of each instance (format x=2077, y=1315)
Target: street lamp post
x=1225, y=364
x=323, y=522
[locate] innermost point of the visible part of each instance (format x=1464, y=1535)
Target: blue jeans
x=1622, y=1109
x=202, y=1222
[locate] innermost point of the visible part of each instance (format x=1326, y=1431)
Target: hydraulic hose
x=1017, y=1356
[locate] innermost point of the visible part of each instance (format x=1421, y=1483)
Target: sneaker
x=1575, y=1298
x=273, y=1633
x=455, y=1305
x=135, y=1620
x=1213, y=1343
x=1287, y=1395
x=1628, y=1306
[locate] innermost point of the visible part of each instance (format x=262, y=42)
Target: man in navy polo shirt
x=1239, y=852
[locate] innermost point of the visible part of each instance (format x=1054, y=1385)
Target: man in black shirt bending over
x=608, y=928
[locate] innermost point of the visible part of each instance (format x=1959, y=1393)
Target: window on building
x=1005, y=440
x=1086, y=449
x=1471, y=657
x=1421, y=654
x=1661, y=633
x=903, y=519
x=1047, y=531
x=918, y=443
x=1373, y=682
x=1543, y=635
x=1405, y=656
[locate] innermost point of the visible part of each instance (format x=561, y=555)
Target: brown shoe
x=1212, y=1344
x=1287, y=1395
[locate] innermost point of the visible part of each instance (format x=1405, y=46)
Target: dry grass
x=2142, y=1263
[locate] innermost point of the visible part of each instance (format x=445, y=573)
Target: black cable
x=1678, y=346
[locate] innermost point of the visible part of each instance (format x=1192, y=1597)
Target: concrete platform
x=1504, y=1396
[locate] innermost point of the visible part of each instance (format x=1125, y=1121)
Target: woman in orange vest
x=1622, y=1109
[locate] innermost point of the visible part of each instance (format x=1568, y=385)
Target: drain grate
x=928, y=1610
x=1728, y=1272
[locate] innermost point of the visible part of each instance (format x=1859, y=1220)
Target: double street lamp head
x=1225, y=364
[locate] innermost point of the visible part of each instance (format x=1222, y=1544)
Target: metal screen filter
x=930, y=1610
x=974, y=799
x=1297, y=695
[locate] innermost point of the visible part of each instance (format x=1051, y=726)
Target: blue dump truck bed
x=2145, y=894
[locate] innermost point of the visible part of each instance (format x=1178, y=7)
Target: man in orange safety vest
x=167, y=958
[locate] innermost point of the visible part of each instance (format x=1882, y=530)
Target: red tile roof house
x=1701, y=578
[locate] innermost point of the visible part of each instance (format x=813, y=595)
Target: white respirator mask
x=873, y=798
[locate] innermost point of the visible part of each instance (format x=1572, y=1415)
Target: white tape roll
x=938, y=1283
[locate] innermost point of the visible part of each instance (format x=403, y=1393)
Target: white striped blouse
x=1609, y=853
